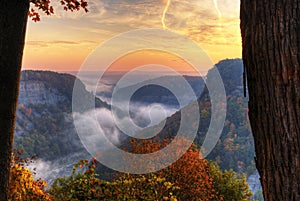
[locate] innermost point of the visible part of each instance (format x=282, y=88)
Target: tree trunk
x=271, y=53
x=13, y=20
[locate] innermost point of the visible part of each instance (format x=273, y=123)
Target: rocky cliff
x=44, y=121
x=36, y=92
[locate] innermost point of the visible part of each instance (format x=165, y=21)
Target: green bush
x=229, y=185
x=83, y=185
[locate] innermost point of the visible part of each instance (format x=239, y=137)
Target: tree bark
x=13, y=20
x=271, y=53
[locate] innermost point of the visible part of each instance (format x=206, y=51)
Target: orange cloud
x=154, y=58
x=57, y=42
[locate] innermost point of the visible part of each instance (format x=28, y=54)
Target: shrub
x=23, y=186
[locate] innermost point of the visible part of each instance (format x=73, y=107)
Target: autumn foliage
x=83, y=184
x=196, y=178
x=22, y=186
x=189, y=178
x=45, y=6
x=229, y=184
x=190, y=173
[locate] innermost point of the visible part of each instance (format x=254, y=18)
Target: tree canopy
x=45, y=6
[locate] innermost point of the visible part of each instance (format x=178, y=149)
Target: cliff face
x=35, y=92
x=44, y=124
x=254, y=183
x=44, y=117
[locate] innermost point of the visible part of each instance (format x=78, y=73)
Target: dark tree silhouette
x=271, y=53
x=13, y=20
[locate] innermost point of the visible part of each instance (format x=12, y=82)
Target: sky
x=63, y=41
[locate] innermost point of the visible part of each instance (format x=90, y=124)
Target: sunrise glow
x=63, y=41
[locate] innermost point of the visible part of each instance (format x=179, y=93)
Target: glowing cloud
x=164, y=14
x=217, y=8
x=60, y=42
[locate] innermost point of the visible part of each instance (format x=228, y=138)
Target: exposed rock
x=254, y=182
x=44, y=124
x=35, y=92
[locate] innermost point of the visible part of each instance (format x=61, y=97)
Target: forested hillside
x=235, y=148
